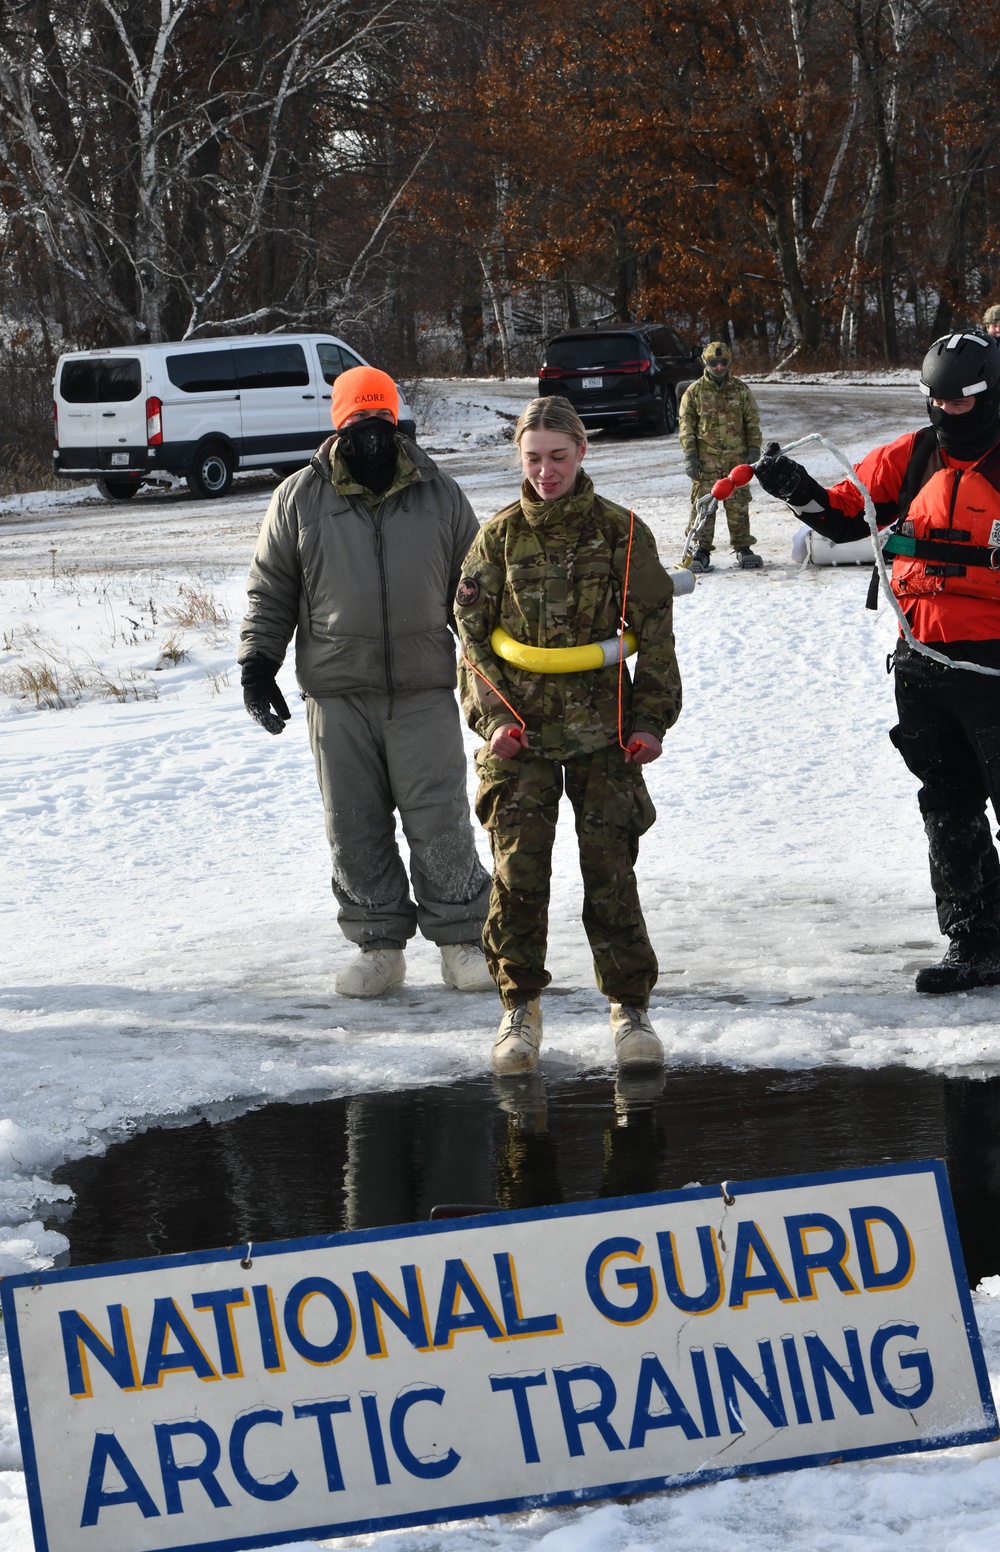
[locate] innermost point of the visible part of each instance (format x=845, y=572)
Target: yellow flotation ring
x=560, y=660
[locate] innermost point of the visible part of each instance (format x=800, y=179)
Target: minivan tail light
x=154, y=422
x=551, y=371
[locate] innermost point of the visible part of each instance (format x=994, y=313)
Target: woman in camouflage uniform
x=550, y=570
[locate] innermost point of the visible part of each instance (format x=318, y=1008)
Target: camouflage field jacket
x=551, y=574
x=719, y=423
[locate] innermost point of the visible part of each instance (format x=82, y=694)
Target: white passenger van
x=136, y=414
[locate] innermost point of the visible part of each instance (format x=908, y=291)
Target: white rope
x=878, y=540
x=705, y=507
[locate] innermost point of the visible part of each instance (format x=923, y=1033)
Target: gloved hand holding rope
x=782, y=477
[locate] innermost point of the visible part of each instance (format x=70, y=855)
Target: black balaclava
x=369, y=451
x=972, y=434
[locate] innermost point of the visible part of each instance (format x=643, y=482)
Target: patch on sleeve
x=467, y=592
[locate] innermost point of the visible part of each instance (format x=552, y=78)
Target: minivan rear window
x=272, y=366
x=594, y=350
x=112, y=381
x=203, y=371
x=666, y=343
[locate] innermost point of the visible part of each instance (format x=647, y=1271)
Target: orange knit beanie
x=363, y=388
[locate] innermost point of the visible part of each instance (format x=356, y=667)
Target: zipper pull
x=378, y=541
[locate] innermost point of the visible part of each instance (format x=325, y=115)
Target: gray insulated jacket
x=368, y=585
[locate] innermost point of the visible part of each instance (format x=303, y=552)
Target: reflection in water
x=293, y=1170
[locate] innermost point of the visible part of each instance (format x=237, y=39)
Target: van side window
x=272, y=366
x=202, y=371
x=334, y=359
x=101, y=382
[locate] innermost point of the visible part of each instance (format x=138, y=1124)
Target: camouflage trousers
x=737, y=514
x=517, y=804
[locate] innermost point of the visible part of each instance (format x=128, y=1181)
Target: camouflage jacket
x=719, y=424
x=551, y=574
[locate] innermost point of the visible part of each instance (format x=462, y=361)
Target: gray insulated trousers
x=370, y=762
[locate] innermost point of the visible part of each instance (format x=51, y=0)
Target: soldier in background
x=991, y=320
x=720, y=427
x=550, y=571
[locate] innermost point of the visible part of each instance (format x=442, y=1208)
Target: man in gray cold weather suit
x=359, y=556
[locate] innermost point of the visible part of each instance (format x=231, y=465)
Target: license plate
x=119, y=458
x=593, y=382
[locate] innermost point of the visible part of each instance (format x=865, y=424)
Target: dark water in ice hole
x=290, y=1170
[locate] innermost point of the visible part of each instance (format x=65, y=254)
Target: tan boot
x=518, y=1038
x=373, y=973
x=463, y=965
x=636, y=1042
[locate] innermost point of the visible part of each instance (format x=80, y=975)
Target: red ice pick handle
x=723, y=489
x=742, y=474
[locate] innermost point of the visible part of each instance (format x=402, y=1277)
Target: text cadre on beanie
x=363, y=388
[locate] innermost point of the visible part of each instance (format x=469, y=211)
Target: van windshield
x=334, y=359
x=594, y=350
x=111, y=381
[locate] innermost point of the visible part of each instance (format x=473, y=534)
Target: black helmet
x=964, y=366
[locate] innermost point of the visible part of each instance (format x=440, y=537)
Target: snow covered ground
x=166, y=895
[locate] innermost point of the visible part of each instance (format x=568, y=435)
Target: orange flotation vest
x=946, y=538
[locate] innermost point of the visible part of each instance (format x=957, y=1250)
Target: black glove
x=261, y=693
x=752, y=454
x=692, y=466
x=786, y=479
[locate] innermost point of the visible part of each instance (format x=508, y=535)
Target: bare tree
x=152, y=150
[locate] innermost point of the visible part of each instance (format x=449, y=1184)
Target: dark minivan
x=620, y=374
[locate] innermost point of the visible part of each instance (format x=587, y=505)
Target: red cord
x=621, y=638
x=496, y=692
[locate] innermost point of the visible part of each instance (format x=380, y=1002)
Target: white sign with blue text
x=441, y=1370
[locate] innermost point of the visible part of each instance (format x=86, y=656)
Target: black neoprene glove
x=786, y=479
x=261, y=695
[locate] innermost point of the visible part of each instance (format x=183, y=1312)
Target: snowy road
x=172, y=530
x=167, y=906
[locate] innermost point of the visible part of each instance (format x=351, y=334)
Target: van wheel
x=211, y=471
x=118, y=490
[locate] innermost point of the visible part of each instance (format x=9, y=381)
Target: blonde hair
x=553, y=413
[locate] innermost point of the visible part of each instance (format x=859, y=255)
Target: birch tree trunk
x=140, y=143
